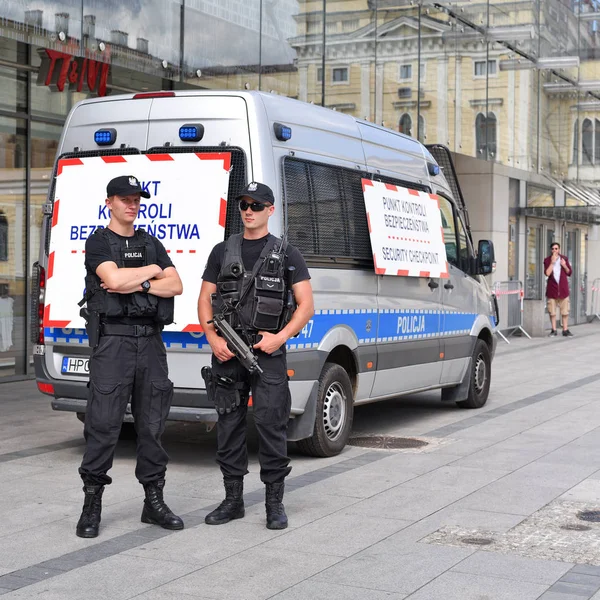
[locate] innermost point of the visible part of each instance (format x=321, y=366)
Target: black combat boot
x=233, y=505
x=156, y=512
x=89, y=522
x=276, y=517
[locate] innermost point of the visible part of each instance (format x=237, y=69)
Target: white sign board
x=406, y=232
x=186, y=212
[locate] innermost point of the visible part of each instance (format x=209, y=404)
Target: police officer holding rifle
x=255, y=295
x=130, y=285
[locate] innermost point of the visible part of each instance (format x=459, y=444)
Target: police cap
x=259, y=192
x=125, y=186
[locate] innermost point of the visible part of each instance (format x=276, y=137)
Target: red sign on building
x=82, y=74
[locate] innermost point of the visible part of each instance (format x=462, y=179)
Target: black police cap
x=259, y=192
x=125, y=186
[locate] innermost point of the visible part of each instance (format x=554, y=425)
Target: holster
x=224, y=392
x=92, y=326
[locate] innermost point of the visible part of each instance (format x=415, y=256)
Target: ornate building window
x=485, y=135
x=405, y=126
x=587, y=142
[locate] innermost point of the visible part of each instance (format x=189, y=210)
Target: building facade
x=512, y=87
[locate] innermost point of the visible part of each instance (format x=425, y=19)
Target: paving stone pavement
x=367, y=524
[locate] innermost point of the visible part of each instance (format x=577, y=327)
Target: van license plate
x=75, y=365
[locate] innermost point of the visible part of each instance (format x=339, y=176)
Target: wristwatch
x=146, y=287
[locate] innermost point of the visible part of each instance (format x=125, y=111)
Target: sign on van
x=406, y=232
x=186, y=212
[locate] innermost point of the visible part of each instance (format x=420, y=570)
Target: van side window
x=465, y=253
x=447, y=213
x=326, y=212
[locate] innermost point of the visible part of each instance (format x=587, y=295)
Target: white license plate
x=75, y=365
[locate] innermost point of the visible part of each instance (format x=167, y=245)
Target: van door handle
x=448, y=286
x=433, y=284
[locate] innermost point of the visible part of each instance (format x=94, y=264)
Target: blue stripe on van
x=369, y=326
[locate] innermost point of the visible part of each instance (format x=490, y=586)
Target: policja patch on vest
x=134, y=257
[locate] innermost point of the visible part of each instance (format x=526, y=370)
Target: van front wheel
x=480, y=377
x=335, y=410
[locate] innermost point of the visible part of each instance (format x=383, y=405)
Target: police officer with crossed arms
x=248, y=278
x=130, y=285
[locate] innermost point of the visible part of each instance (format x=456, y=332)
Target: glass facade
x=514, y=83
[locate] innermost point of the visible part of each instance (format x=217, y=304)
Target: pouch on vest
x=268, y=302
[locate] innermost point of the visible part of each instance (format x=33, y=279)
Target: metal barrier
x=510, y=308
x=595, y=305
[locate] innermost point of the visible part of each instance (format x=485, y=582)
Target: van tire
x=480, y=377
x=335, y=411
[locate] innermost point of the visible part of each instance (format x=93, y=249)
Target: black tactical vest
x=260, y=295
x=138, y=251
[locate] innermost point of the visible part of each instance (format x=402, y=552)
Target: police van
x=350, y=195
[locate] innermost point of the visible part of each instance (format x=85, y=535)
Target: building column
x=442, y=97
x=303, y=83
x=365, y=91
x=458, y=105
x=510, y=111
x=379, y=94
x=523, y=129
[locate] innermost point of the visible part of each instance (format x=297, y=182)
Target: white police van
x=373, y=336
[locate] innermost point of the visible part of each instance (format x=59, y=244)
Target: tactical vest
x=259, y=296
x=138, y=251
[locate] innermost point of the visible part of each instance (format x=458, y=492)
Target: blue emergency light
x=433, y=169
x=105, y=137
x=282, y=132
x=191, y=132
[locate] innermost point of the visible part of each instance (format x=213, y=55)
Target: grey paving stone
x=512, y=496
x=331, y=591
x=38, y=573
x=161, y=594
x=118, y=578
x=14, y=582
x=513, y=567
x=332, y=536
x=587, y=570
x=253, y=574
x=582, y=579
x=574, y=589
x=407, y=503
x=394, y=567
x=208, y=544
x=462, y=586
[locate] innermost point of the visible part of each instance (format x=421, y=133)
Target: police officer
x=249, y=277
x=130, y=285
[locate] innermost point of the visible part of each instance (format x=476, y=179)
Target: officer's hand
x=220, y=349
x=160, y=274
x=270, y=342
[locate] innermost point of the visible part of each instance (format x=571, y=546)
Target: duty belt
x=130, y=330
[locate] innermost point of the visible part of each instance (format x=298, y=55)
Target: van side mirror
x=486, y=261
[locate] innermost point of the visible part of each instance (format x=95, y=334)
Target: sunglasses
x=255, y=206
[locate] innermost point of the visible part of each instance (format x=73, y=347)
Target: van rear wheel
x=335, y=411
x=480, y=377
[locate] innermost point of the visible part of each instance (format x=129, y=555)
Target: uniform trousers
x=124, y=368
x=271, y=403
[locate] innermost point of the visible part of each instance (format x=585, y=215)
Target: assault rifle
x=235, y=343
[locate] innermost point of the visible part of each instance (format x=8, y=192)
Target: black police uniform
x=271, y=400
x=245, y=277
x=128, y=362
